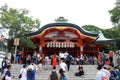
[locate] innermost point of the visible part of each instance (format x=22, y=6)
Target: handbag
x=3, y=78
x=20, y=75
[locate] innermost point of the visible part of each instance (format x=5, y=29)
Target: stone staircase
x=90, y=72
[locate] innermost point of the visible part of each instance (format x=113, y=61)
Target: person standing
x=111, y=56
x=23, y=71
x=107, y=73
x=53, y=75
x=100, y=74
x=113, y=72
x=31, y=72
x=54, y=60
x=12, y=58
x=63, y=65
x=40, y=64
x=81, y=59
x=62, y=70
x=8, y=75
x=17, y=58
x=62, y=74
x=46, y=61
x=4, y=64
x=68, y=61
x=61, y=55
x=28, y=59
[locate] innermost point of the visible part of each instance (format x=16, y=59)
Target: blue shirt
x=31, y=75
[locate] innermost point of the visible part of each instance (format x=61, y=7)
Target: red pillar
x=98, y=54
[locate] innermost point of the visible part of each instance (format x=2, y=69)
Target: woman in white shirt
x=63, y=65
x=23, y=71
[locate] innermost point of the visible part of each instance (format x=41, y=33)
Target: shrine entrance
x=52, y=51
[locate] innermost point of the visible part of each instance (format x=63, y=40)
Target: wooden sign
x=16, y=41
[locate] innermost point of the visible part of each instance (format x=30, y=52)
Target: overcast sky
x=80, y=12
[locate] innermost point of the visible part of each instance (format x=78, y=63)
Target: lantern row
x=61, y=45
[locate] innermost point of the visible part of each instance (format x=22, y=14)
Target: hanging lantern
x=70, y=44
x=56, y=44
x=59, y=45
x=48, y=44
x=62, y=45
x=53, y=45
x=65, y=45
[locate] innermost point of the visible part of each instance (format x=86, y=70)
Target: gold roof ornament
x=61, y=20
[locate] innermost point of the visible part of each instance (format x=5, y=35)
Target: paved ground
x=90, y=72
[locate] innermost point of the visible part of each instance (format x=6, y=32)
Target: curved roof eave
x=102, y=39
x=64, y=24
x=106, y=41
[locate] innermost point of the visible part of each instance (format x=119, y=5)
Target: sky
x=79, y=12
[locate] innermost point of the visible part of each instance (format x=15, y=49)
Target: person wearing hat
x=23, y=72
x=31, y=70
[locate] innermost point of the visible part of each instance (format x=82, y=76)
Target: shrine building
x=63, y=36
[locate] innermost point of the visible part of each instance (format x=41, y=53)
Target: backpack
x=54, y=76
x=3, y=78
x=68, y=58
x=4, y=64
x=113, y=74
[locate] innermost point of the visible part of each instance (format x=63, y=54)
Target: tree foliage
x=115, y=14
x=19, y=23
x=91, y=28
x=108, y=33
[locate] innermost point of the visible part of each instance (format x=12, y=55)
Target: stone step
x=90, y=72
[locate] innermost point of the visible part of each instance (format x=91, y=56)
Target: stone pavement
x=90, y=72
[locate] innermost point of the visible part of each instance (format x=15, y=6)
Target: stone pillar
x=0, y=45
x=115, y=57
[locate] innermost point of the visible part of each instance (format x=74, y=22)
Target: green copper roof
x=102, y=39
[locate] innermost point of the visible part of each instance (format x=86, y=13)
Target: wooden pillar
x=77, y=52
x=23, y=52
x=98, y=54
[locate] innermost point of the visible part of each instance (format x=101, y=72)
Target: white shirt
x=107, y=73
x=24, y=74
x=65, y=54
x=81, y=56
x=38, y=55
x=46, y=58
x=62, y=55
x=99, y=75
x=63, y=66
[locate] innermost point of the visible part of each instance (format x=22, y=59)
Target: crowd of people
x=35, y=62
x=109, y=72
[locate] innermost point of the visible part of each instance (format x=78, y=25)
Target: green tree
x=19, y=23
x=115, y=18
x=91, y=28
x=108, y=33
x=115, y=14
